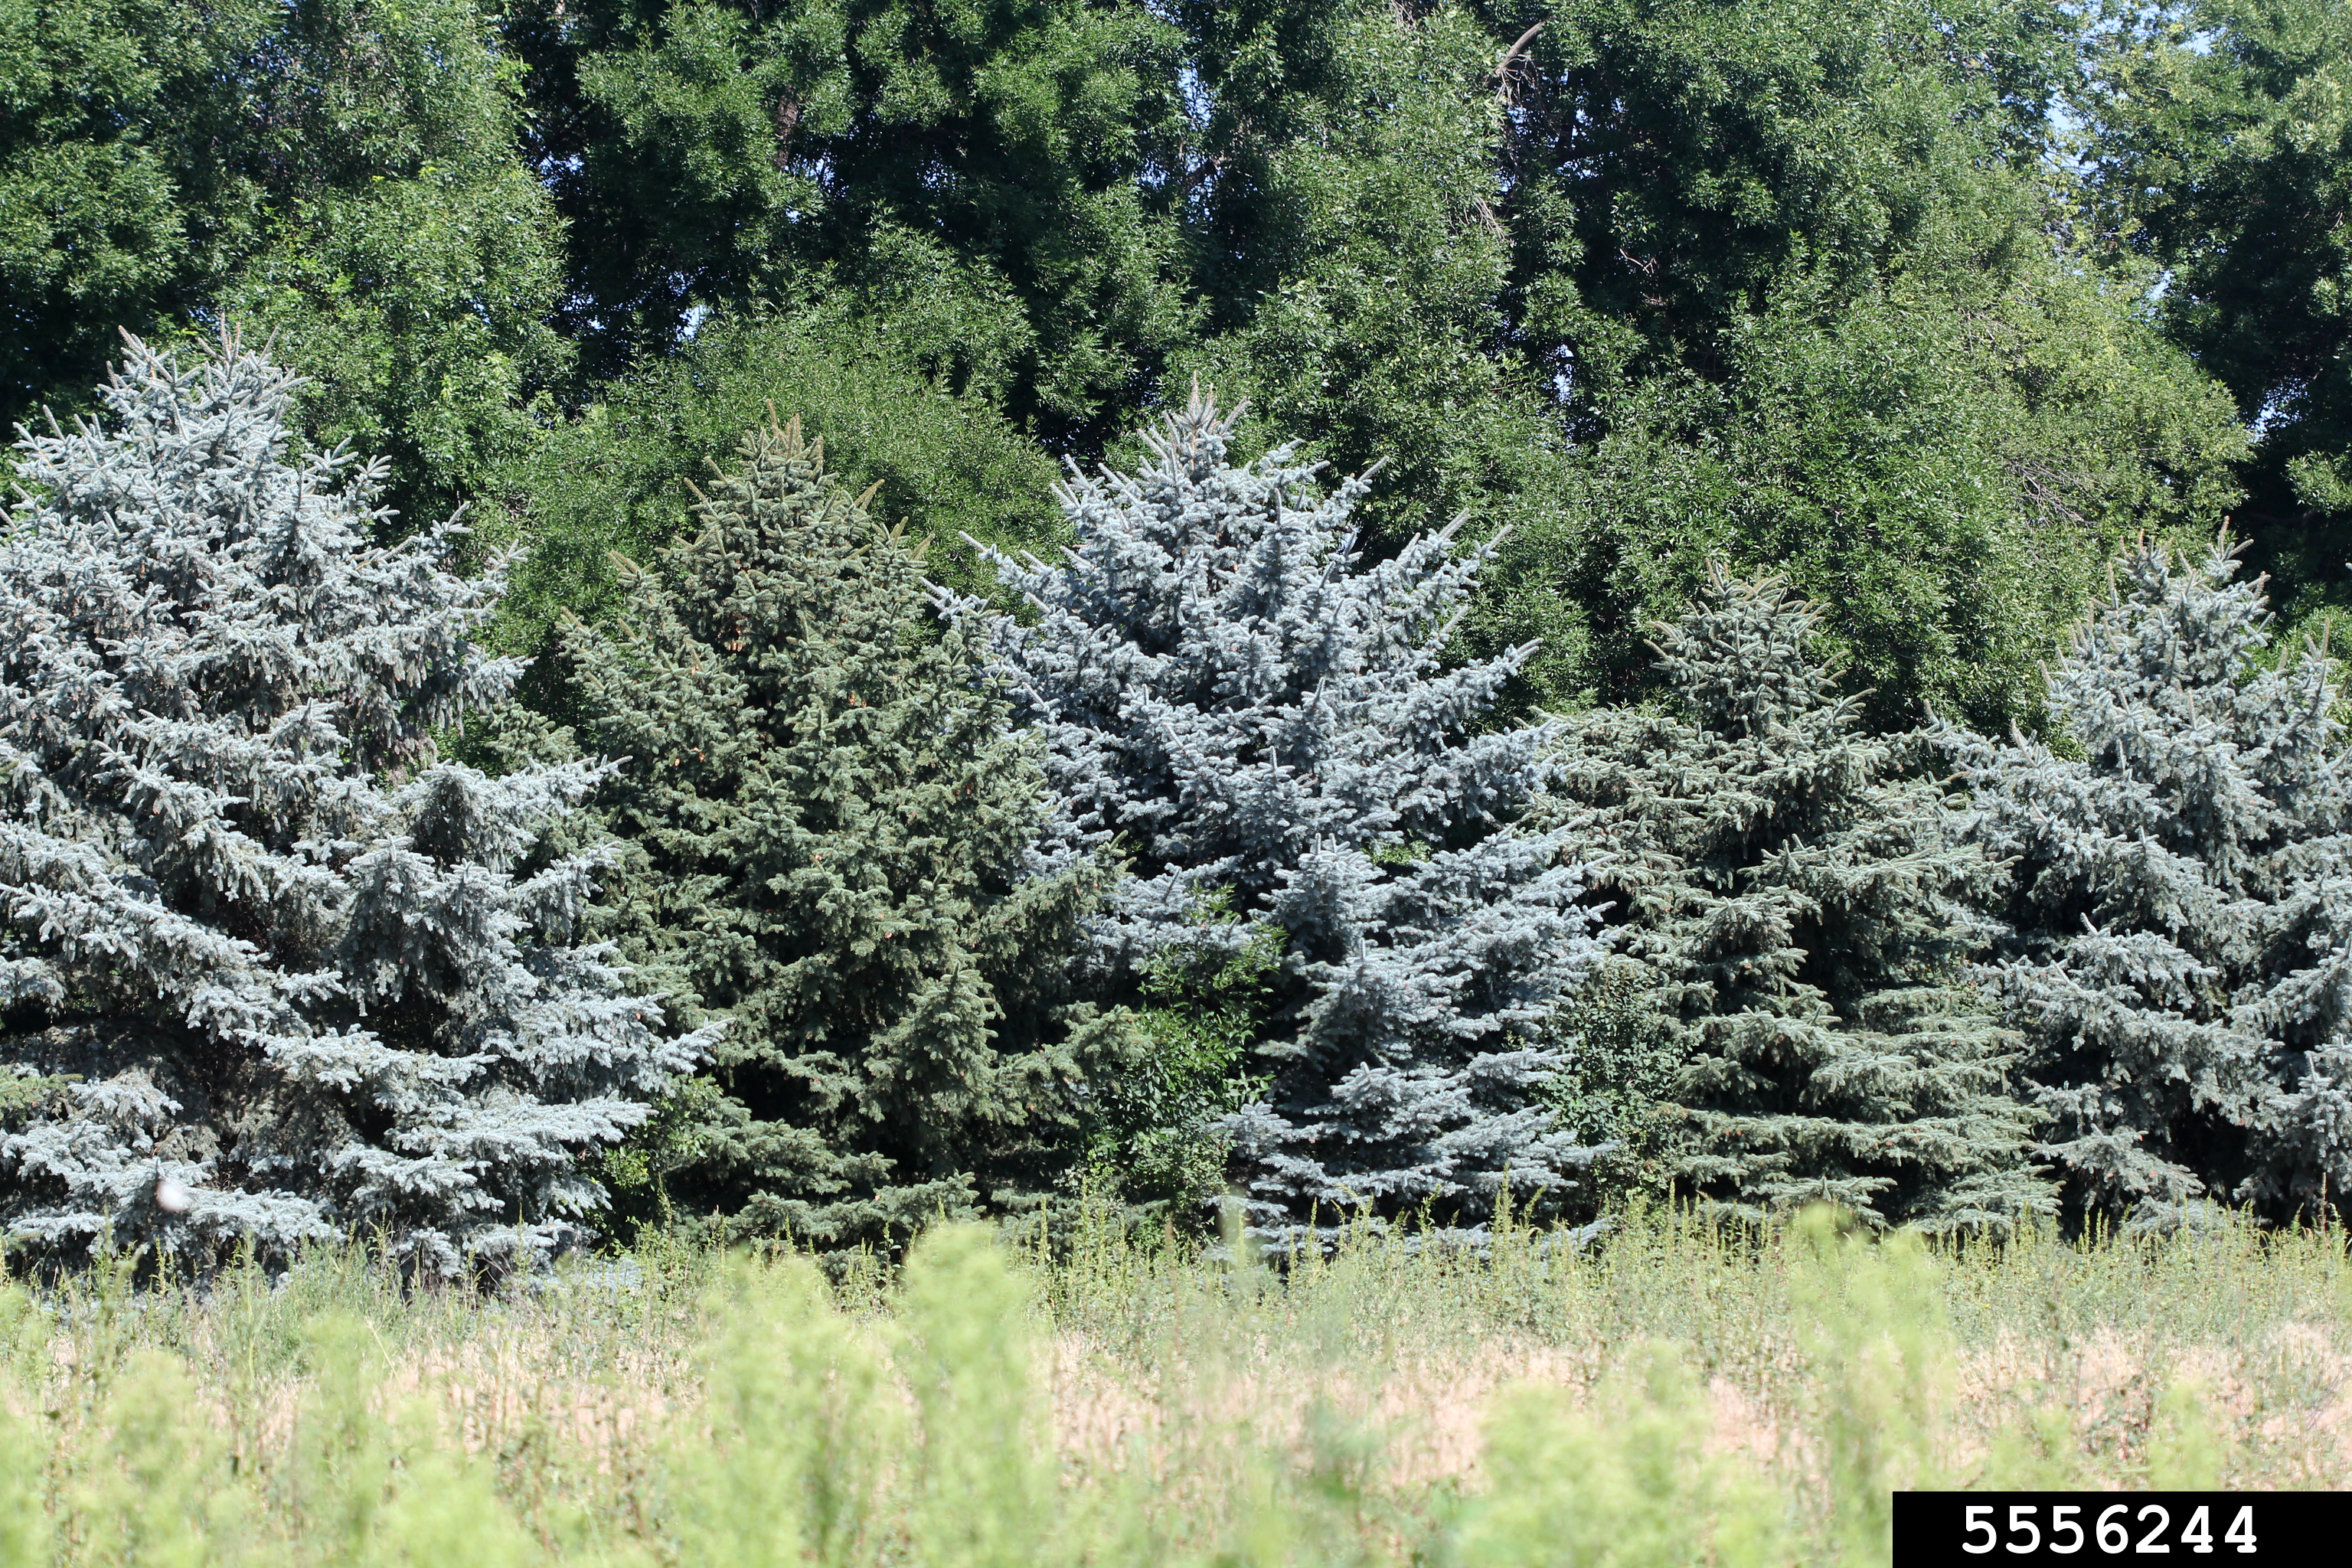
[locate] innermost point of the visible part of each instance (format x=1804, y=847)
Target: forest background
x=1931, y=304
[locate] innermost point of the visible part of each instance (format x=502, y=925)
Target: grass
x=1673, y=1396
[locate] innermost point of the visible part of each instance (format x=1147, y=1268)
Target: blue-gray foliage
x=1790, y=901
x=1263, y=724
x=270, y=968
x=2179, y=947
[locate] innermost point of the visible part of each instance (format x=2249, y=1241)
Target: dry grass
x=1382, y=1406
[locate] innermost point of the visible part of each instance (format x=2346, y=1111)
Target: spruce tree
x=270, y=969
x=2177, y=948
x=835, y=841
x=1263, y=724
x=1788, y=892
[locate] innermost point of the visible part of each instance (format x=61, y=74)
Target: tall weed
x=1677, y=1393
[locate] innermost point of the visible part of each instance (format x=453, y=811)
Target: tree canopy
x=342, y=178
x=1649, y=281
x=2218, y=147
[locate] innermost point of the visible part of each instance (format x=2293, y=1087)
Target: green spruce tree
x=1788, y=891
x=834, y=843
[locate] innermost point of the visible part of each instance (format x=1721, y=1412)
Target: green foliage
x=1943, y=463
x=831, y=842
x=985, y=1487
x=337, y=1471
x=975, y=172
x=1624, y=1482
x=1792, y=284
x=1355, y=258
x=22, y=1092
x=90, y=232
x=444, y=1509
x=638, y=1169
x=1878, y=1330
x=830, y=1442
x=1201, y=1009
x=411, y=258
x=1745, y=278
x=616, y=479
x=1615, y=1092
x=1358, y=286
x=343, y=175
x=150, y=1496
x=2217, y=136
x=1648, y=281
x=800, y=1429
x=24, y=1524
x=1792, y=893
x=1681, y=163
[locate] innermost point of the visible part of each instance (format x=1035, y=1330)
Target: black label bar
x=2176, y=1529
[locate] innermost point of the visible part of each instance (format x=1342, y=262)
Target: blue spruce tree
x=1791, y=900
x=1261, y=723
x=270, y=969
x=2178, y=941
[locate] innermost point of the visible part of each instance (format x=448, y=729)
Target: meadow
x=1671, y=1395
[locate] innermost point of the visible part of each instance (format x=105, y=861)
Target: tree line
x=1207, y=874
x=1723, y=806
